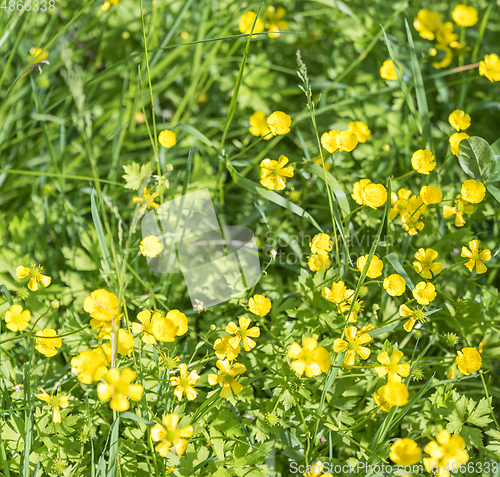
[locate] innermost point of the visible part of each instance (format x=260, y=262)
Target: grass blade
x=100, y=231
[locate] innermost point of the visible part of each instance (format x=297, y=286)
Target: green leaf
x=495, y=149
x=476, y=158
x=217, y=443
x=191, y=130
x=136, y=175
x=6, y=293
x=472, y=436
x=135, y=417
x=494, y=191
x=480, y=416
x=100, y=231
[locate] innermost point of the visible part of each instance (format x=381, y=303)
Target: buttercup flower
x=125, y=342
x=242, y=333
x=336, y=294
x=167, y=139
x=367, y=193
x=394, y=285
x=224, y=349
x=423, y=161
x=179, y=319
x=417, y=314
x=184, y=383
x=464, y=16
x=147, y=200
x=246, y=22
x=118, y=387
x=391, y=366
x=45, y=343
x=424, y=293
x=476, y=256
x=90, y=365
x=35, y=274
x=455, y=140
x=309, y=358
x=357, y=190
x=375, y=267
x=445, y=454
x=329, y=141
x=319, y=260
x=317, y=160
x=145, y=326
x=168, y=435
x=411, y=222
x=399, y=202
x=431, y=195
x=447, y=58
x=276, y=24
x=106, y=5
x=473, y=191
x=345, y=307
x=445, y=35
x=273, y=173
x=460, y=208
x=394, y=393
x=360, y=129
x=468, y=360
x=258, y=125
x=388, y=71
x=150, y=246
x=227, y=378
x=352, y=345
x=321, y=243
x=425, y=266
x=56, y=403
x=165, y=328
x=459, y=120
x=380, y=401
x=316, y=470
x=405, y=452
x=279, y=123
x=490, y=67
x=426, y=23
x=37, y=55
x=346, y=141
x=102, y=306
x=17, y=319
x=259, y=305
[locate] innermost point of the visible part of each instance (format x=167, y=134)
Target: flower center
x=184, y=383
x=276, y=171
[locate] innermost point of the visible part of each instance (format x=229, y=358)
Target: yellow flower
x=380, y=401
x=90, y=365
x=360, y=129
x=375, y=267
x=319, y=260
x=399, y=202
x=346, y=141
x=445, y=454
x=16, y=319
x=167, y=139
x=476, y=256
x=468, y=360
x=105, y=6
x=316, y=470
x=246, y=22
x=431, y=195
x=279, y=123
x=38, y=55
x=273, y=173
x=242, y=333
x=321, y=243
x=309, y=358
x=118, y=386
x=258, y=125
x=276, y=23
x=329, y=141
x=395, y=285
x=367, y=193
x=168, y=435
x=405, y=452
x=424, y=293
x=150, y=246
x=455, y=140
x=162, y=328
x=394, y=393
x=45, y=343
x=412, y=224
x=388, y=71
x=35, y=274
x=464, y=16
x=460, y=208
x=490, y=67
x=459, y=120
x=317, y=160
x=184, y=383
x=357, y=190
x=473, y=191
x=445, y=35
x=447, y=59
x=426, y=23
x=346, y=306
x=56, y=403
x=336, y=294
x=424, y=266
x=224, y=349
x=417, y=314
x=102, y=306
x=391, y=366
x=422, y=161
x=227, y=377
x=147, y=200
x=352, y=345
x=125, y=342
x=259, y=305
x=145, y=326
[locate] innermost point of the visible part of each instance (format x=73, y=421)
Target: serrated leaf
x=217, y=443
x=480, y=415
x=476, y=158
x=472, y=436
x=135, y=175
